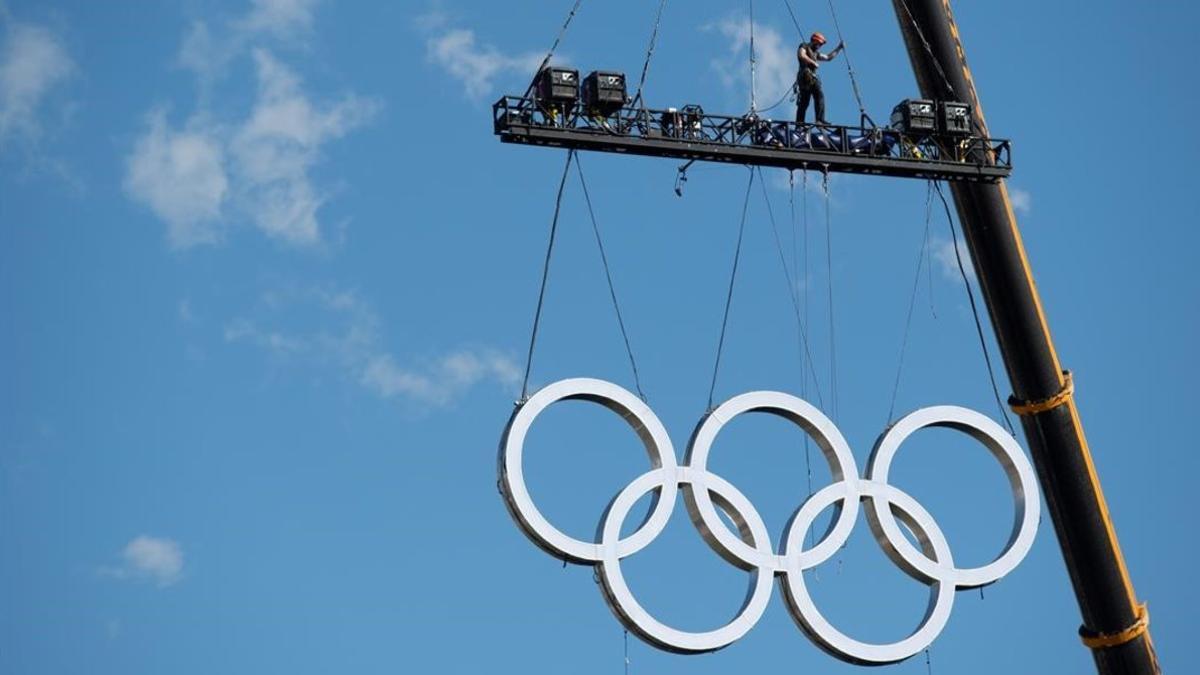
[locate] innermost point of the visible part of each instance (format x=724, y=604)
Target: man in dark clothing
x=808, y=85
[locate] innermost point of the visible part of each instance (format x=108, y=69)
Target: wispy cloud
x=180, y=175
x=148, y=558
x=329, y=328
x=33, y=62
x=196, y=176
x=277, y=147
x=475, y=65
x=775, y=60
x=1022, y=200
x=943, y=252
x=283, y=18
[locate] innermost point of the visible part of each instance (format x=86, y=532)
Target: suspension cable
x=537, y=315
x=912, y=301
x=793, y=15
x=862, y=110
x=554, y=47
x=833, y=385
x=612, y=292
x=737, y=256
x=962, y=270
x=788, y=278
x=649, y=53
x=803, y=382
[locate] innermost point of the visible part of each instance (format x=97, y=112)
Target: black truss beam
x=748, y=140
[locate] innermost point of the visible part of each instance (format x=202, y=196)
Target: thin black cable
x=778, y=103
x=833, y=388
x=804, y=311
x=807, y=446
x=537, y=315
x=862, y=110
x=737, y=256
x=627, y=652
x=793, y=15
x=554, y=47
x=974, y=312
x=912, y=303
x=612, y=291
x=787, y=275
x=929, y=50
x=650, y=52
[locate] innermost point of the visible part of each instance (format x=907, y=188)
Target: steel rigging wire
x=537, y=315
x=737, y=256
x=974, y=310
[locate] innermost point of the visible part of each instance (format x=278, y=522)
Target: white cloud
x=275, y=149
x=943, y=252
x=149, y=558
x=33, y=61
x=283, y=18
x=209, y=54
x=475, y=65
x=439, y=381
x=180, y=175
x=339, y=330
x=1022, y=201
x=257, y=167
x=775, y=60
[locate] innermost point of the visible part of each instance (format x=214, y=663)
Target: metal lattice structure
x=691, y=134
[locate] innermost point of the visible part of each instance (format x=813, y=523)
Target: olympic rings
x=888, y=510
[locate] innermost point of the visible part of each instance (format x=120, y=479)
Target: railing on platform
x=692, y=134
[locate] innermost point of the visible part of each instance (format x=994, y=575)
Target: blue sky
x=267, y=281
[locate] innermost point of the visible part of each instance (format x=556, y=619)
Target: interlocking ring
x=888, y=509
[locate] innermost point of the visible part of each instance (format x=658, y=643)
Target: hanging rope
x=833, y=386
x=737, y=256
x=793, y=15
x=554, y=47
x=626, y=652
x=789, y=280
x=649, y=53
x=803, y=382
x=862, y=110
x=612, y=291
x=974, y=311
x=912, y=303
x=537, y=315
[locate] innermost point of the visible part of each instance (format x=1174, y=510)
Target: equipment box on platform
x=604, y=92
x=914, y=116
x=955, y=118
x=558, y=86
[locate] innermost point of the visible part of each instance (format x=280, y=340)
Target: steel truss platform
x=693, y=135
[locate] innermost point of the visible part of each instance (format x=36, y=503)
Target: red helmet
x=818, y=38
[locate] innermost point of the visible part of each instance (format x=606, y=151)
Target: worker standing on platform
x=808, y=85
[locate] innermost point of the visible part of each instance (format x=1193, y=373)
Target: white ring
x=637, y=619
x=1020, y=476
x=512, y=478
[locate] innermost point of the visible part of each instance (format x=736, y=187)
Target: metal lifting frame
x=697, y=136
x=1115, y=625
